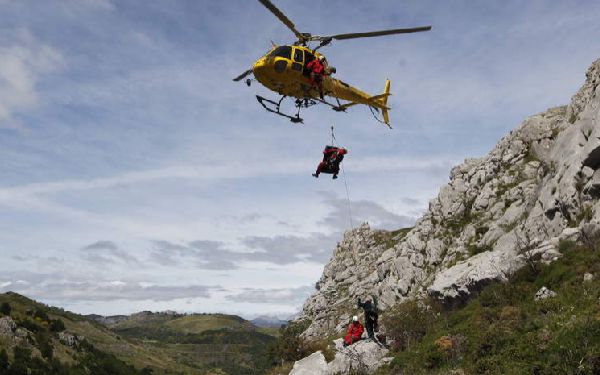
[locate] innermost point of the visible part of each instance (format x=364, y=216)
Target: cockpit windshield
x=282, y=51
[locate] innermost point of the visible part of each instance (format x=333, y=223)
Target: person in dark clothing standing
x=371, y=316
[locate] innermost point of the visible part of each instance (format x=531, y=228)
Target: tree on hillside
x=57, y=325
x=5, y=308
x=3, y=360
x=290, y=346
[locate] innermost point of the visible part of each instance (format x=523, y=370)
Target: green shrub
x=3, y=360
x=5, y=308
x=29, y=325
x=41, y=315
x=44, y=344
x=408, y=322
x=289, y=345
x=57, y=325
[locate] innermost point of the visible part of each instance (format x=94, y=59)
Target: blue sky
x=136, y=175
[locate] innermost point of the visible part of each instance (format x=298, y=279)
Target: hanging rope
x=362, y=240
x=333, y=141
x=348, y=198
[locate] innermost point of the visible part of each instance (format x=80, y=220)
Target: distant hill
x=268, y=322
x=49, y=340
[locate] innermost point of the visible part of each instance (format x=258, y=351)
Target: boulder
x=314, y=364
x=70, y=339
x=363, y=357
x=544, y=293
x=7, y=326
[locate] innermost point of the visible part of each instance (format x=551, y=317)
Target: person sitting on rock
x=332, y=157
x=371, y=316
x=355, y=331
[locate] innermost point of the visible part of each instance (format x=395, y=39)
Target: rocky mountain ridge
x=538, y=186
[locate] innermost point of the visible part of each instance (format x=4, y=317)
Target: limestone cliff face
x=539, y=185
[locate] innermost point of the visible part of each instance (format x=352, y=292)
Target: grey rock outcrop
x=70, y=339
x=544, y=293
x=540, y=185
x=314, y=364
x=10, y=330
x=361, y=357
x=7, y=326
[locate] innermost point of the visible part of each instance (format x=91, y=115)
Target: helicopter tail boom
x=384, y=99
x=380, y=101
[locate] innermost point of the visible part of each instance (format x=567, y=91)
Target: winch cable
x=349, y=205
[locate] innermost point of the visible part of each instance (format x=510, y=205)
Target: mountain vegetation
x=39, y=339
x=504, y=329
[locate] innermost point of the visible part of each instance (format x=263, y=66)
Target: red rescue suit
x=317, y=70
x=355, y=331
x=332, y=157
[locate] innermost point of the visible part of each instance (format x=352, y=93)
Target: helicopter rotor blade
x=282, y=17
x=243, y=75
x=378, y=33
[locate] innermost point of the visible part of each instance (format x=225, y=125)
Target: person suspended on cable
x=332, y=157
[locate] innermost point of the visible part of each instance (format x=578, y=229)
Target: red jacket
x=355, y=331
x=316, y=66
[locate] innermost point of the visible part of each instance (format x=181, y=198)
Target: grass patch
x=474, y=249
x=389, y=239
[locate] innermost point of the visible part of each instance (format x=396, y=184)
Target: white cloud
x=275, y=295
x=59, y=287
x=23, y=61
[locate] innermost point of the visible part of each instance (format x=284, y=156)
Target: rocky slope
x=538, y=186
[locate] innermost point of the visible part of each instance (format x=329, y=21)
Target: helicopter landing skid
x=274, y=107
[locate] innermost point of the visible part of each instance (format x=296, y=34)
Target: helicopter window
x=282, y=51
x=309, y=57
x=280, y=66
x=298, y=55
x=297, y=66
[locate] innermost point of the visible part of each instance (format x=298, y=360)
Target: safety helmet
x=321, y=58
x=355, y=318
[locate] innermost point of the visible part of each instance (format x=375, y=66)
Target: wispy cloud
x=102, y=252
x=22, y=61
x=214, y=255
x=60, y=287
x=215, y=171
x=204, y=254
x=275, y=295
x=344, y=212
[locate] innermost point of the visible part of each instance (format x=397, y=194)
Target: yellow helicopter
x=284, y=70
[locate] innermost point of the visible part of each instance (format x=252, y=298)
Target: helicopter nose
x=259, y=67
x=260, y=70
